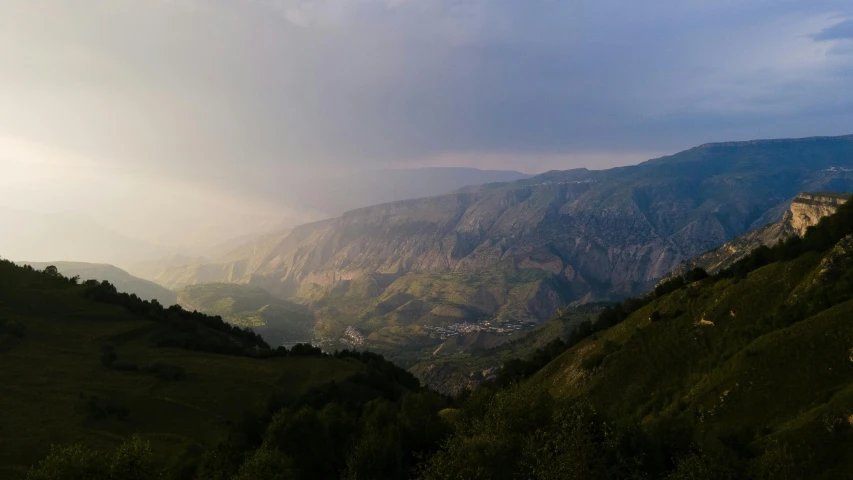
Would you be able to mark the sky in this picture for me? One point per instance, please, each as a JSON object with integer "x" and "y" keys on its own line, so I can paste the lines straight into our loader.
{"x": 190, "y": 112}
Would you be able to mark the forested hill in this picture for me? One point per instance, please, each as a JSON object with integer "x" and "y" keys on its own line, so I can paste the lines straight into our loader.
{"x": 125, "y": 388}
{"x": 123, "y": 281}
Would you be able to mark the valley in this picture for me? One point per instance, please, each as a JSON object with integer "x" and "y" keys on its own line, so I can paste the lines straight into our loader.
{"x": 740, "y": 374}
{"x": 426, "y": 240}
{"x": 388, "y": 277}
{"x": 439, "y": 284}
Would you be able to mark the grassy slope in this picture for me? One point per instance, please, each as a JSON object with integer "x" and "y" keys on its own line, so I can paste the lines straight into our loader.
{"x": 750, "y": 375}
{"x": 50, "y": 345}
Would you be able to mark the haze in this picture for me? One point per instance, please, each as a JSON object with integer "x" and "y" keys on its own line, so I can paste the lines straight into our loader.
{"x": 183, "y": 124}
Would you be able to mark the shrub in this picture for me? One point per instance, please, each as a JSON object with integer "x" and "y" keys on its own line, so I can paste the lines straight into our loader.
{"x": 266, "y": 464}
{"x": 70, "y": 462}
{"x": 695, "y": 275}
{"x": 131, "y": 461}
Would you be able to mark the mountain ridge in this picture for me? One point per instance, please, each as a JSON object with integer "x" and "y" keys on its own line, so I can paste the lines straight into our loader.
{"x": 534, "y": 244}
{"x": 805, "y": 210}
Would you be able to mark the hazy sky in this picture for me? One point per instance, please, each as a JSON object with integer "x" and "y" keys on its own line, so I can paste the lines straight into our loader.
{"x": 191, "y": 104}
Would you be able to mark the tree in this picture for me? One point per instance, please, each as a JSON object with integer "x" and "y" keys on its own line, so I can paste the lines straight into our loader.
{"x": 266, "y": 464}
{"x": 131, "y": 461}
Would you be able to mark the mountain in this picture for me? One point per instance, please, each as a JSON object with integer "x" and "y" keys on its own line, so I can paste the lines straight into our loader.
{"x": 150, "y": 269}
{"x": 805, "y": 211}
{"x": 122, "y": 280}
{"x": 177, "y": 272}
{"x": 746, "y": 374}
{"x": 279, "y": 322}
{"x": 42, "y": 237}
{"x": 743, "y": 374}
{"x": 470, "y": 361}
{"x": 515, "y": 252}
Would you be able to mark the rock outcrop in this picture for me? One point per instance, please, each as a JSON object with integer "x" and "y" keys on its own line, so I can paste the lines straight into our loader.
{"x": 805, "y": 210}
{"x": 837, "y": 261}
{"x": 808, "y": 208}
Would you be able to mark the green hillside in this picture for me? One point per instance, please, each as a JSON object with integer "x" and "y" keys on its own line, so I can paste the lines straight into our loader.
{"x": 84, "y": 364}
{"x": 278, "y": 321}
{"x": 745, "y": 374}
{"x": 122, "y": 280}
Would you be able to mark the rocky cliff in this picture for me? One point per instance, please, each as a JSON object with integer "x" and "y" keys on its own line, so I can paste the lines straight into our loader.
{"x": 806, "y": 210}
{"x": 516, "y": 251}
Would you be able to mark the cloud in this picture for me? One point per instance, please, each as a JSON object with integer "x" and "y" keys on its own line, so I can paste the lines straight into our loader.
{"x": 233, "y": 93}
{"x": 840, "y": 31}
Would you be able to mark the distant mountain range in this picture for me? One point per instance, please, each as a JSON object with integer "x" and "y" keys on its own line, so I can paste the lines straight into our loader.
{"x": 518, "y": 250}
{"x": 69, "y": 236}
{"x": 79, "y": 236}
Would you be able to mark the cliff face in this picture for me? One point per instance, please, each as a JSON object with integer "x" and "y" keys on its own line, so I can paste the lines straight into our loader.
{"x": 806, "y": 210}
{"x": 518, "y": 250}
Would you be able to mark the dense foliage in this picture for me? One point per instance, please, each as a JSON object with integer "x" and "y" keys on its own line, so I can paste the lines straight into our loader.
{"x": 131, "y": 461}
{"x": 377, "y": 424}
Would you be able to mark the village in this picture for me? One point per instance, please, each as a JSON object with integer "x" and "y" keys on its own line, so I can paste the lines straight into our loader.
{"x": 456, "y": 329}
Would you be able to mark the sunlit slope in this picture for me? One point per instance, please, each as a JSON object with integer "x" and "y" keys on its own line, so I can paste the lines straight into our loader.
{"x": 748, "y": 361}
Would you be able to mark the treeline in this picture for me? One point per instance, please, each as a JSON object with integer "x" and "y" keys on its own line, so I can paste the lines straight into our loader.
{"x": 183, "y": 320}
{"x": 379, "y": 423}
{"x": 190, "y": 330}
